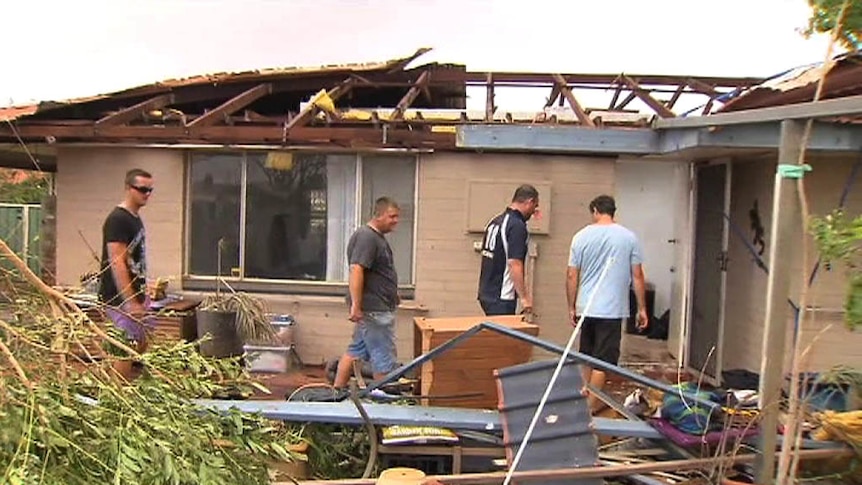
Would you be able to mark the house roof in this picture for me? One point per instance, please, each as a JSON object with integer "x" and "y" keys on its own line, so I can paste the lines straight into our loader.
{"x": 799, "y": 85}
{"x": 368, "y": 104}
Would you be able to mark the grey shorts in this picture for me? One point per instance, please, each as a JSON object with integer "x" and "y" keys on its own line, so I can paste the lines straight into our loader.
{"x": 374, "y": 341}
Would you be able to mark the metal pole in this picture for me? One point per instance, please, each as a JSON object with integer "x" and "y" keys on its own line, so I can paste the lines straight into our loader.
{"x": 785, "y": 214}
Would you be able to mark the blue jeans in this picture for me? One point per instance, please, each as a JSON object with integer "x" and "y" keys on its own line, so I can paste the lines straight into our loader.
{"x": 374, "y": 341}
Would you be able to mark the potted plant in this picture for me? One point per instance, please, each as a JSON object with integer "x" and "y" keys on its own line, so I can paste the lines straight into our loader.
{"x": 231, "y": 319}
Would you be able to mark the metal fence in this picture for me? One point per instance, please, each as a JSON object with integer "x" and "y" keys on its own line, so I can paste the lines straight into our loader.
{"x": 20, "y": 228}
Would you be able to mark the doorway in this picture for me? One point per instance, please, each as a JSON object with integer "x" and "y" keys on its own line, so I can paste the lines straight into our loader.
{"x": 709, "y": 265}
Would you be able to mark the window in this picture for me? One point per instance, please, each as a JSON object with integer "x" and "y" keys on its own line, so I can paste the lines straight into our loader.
{"x": 287, "y": 216}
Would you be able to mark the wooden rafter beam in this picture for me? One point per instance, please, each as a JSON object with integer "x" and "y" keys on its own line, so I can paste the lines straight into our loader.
{"x": 702, "y": 87}
{"x": 645, "y": 96}
{"x": 231, "y": 106}
{"x": 410, "y": 96}
{"x": 628, "y": 99}
{"x": 305, "y": 115}
{"x": 583, "y": 118}
{"x": 489, "y": 99}
{"x": 676, "y": 94}
{"x": 235, "y": 134}
{"x": 555, "y": 93}
{"x": 133, "y": 112}
{"x": 616, "y": 96}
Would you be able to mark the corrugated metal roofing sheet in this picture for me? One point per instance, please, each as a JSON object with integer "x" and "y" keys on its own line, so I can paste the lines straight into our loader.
{"x": 799, "y": 84}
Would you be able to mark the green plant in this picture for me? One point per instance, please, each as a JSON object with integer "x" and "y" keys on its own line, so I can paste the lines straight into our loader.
{"x": 839, "y": 240}
{"x": 66, "y": 418}
{"x": 252, "y": 322}
{"x": 825, "y": 16}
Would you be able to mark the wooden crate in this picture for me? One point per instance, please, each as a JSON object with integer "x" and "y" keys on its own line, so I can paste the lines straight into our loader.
{"x": 469, "y": 367}
{"x": 176, "y": 322}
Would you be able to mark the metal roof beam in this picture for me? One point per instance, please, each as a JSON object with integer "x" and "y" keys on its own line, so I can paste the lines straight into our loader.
{"x": 553, "y": 138}
{"x": 827, "y": 137}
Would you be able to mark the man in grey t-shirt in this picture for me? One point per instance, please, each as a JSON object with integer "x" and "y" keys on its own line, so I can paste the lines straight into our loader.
{"x": 604, "y": 243}
{"x": 373, "y": 295}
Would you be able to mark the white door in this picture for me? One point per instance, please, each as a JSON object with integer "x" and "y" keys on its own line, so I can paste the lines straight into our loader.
{"x": 683, "y": 216}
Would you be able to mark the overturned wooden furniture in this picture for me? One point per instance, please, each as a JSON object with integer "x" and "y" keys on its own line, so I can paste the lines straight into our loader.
{"x": 464, "y": 376}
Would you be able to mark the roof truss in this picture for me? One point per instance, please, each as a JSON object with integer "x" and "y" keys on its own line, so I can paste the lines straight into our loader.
{"x": 357, "y": 105}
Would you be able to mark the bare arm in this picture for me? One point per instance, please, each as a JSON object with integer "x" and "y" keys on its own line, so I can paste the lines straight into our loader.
{"x": 120, "y": 270}
{"x": 516, "y": 269}
{"x": 639, "y": 281}
{"x": 355, "y": 283}
{"x": 573, "y": 276}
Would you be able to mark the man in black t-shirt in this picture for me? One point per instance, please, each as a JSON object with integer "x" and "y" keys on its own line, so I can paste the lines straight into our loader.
{"x": 373, "y": 295}
{"x": 123, "y": 278}
{"x": 504, "y": 249}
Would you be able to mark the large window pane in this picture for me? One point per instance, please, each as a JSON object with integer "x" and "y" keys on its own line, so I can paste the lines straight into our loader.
{"x": 215, "y": 181}
{"x": 298, "y": 207}
{"x": 394, "y": 177}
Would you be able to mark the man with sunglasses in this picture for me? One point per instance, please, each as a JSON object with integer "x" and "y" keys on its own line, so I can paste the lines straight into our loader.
{"x": 123, "y": 278}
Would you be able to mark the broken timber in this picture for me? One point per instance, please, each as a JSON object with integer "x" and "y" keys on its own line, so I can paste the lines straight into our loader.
{"x": 542, "y": 476}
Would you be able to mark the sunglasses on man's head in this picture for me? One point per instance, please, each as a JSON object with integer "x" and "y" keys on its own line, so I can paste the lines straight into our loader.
{"x": 142, "y": 189}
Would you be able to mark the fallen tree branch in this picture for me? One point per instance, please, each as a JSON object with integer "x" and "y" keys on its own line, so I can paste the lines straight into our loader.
{"x": 15, "y": 365}
{"x": 60, "y": 303}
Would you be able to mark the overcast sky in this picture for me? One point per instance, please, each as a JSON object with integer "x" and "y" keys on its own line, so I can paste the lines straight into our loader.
{"x": 62, "y": 49}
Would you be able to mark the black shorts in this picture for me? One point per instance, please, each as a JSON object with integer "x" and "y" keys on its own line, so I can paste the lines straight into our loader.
{"x": 600, "y": 338}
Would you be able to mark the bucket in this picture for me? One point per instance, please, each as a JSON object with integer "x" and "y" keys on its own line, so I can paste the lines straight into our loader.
{"x": 221, "y": 326}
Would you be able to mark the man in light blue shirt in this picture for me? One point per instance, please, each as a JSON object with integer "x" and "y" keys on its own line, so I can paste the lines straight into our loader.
{"x": 604, "y": 242}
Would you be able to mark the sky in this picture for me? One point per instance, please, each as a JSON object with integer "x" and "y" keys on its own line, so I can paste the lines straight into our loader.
{"x": 63, "y": 49}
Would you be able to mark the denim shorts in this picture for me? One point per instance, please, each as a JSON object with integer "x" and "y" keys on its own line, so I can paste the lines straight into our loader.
{"x": 374, "y": 341}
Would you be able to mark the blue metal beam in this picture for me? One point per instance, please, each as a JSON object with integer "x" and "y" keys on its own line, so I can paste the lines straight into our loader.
{"x": 824, "y": 137}
{"x": 345, "y": 412}
{"x": 831, "y": 137}
{"x": 550, "y": 138}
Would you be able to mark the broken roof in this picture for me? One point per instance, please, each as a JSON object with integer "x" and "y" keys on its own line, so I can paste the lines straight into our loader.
{"x": 381, "y": 103}
{"x": 799, "y": 85}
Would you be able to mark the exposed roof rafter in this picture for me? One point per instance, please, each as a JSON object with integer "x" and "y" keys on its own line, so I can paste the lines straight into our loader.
{"x": 573, "y": 102}
{"x": 136, "y": 111}
{"x": 311, "y": 109}
{"x": 232, "y": 105}
{"x": 660, "y": 109}
{"x": 410, "y": 96}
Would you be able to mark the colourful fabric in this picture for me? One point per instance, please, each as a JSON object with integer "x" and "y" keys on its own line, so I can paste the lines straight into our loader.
{"x": 689, "y": 416}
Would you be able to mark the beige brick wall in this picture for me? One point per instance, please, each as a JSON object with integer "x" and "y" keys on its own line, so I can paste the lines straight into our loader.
{"x": 447, "y": 267}
{"x": 746, "y": 284}
{"x": 89, "y": 185}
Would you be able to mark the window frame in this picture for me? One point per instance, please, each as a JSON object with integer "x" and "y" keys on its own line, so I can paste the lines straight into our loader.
{"x": 294, "y": 287}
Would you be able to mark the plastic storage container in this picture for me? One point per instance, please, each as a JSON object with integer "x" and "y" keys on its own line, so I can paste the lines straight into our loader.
{"x": 267, "y": 359}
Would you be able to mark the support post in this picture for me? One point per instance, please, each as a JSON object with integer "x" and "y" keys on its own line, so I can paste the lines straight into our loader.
{"x": 785, "y": 219}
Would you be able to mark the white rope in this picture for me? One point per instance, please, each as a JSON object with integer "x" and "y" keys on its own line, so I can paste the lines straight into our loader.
{"x": 557, "y": 371}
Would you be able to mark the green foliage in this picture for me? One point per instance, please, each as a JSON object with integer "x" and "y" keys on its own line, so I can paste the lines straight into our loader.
{"x": 29, "y": 191}
{"x": 825, "y": 15}
{"x": 838, "y": 239}
{"x": 92, "y": 426}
